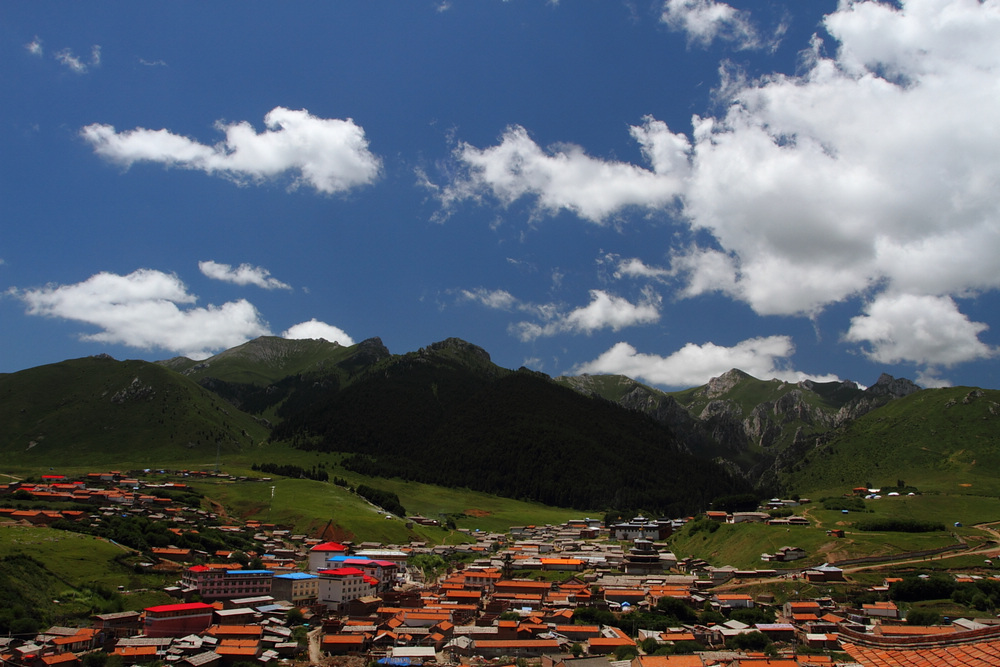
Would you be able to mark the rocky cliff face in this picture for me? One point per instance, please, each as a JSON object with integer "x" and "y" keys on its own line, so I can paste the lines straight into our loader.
{"x": 885, "y": 389}
{"x": 720, "y": 420}
{"x": 691, "y": 433}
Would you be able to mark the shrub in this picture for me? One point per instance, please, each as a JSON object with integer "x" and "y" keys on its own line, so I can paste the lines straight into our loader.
{"x": 922, "y": 617}
{"x": 899, "y": 525}
{"x": 852, "y": 504}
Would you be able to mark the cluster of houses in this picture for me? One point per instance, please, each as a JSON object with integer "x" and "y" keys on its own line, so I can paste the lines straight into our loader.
{"x": 366, "y": 600}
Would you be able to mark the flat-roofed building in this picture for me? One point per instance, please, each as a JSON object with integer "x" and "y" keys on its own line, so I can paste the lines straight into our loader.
{"x": 177, "y": 620}
{"x": 299, "y": 588}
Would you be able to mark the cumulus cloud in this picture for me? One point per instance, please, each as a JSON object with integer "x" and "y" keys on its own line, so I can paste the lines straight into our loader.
{"x": 867, "y": 170}
{"x": 329, "y": 155}
{"x": 314, "y": 329}
{"x": 704, "y": 21}
{"x": 244, "y": 274}
{"x": 694, "y": 365}
{"x": 605, "y": 311}
{"x": 872, "y": 171}
{"x": 926, "y": 330}
{"x": 565, "y": 178}
{"x": 147, "y": 309}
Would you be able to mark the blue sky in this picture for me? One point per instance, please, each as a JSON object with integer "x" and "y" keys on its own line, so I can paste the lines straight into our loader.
{"x": 661, "y": 189}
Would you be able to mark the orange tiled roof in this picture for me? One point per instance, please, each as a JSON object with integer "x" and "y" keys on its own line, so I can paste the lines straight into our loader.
{"x": 911, "y": 630}
{"x": 343, "y": 639}
{"x": 610, "y": 641}
{"x": 983, "y": 654}
{"x": 131, "y": 651}
{"x": 226, "y": 650}
{"x": 670, "y": 661}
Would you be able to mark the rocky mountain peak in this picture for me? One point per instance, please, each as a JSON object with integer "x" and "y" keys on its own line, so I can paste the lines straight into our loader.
{"x": 886, "y": 385}
{"x": 457, "y": 344}
{"x": 718, "y": 386}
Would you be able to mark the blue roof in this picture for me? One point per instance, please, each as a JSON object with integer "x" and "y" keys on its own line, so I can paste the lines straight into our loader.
{"x": 249, "y": 572}
{"x": 296, "y": 575}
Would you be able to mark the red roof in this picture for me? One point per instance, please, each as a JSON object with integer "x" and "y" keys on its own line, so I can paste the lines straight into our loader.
{"x": 187, "y": 606}
{"x": 329, "y": 546}
{"x": 343, "y": 572}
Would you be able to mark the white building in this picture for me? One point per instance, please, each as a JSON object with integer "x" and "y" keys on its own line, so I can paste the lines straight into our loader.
{"x": 321, "y": 553}
{"x": 341, "y": 585}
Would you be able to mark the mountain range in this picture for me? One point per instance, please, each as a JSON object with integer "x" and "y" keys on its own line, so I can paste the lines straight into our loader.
{"x": 446, "y": 415}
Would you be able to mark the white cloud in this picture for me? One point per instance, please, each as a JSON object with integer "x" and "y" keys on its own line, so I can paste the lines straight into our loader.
{"x": 314, "y": 329}
{"x": 66, "y": 57}
{"x": 636, "y": 268}
{"x": 694, "y": 365}
{"x": 704, "y": 21}
{"x": 873, "y": 170}
{"x": 69, "y": 59}
{"x": 147, "y": 309}
{"x": 34, "y": 47}
{"x": 565, "y": 178}
{"x": 329, "y": 154}
{"x": 244, "y": 274}
{"x": 605, "y": 311}
{"x": 497, "y": 299}
{"x": 926, "y": 330}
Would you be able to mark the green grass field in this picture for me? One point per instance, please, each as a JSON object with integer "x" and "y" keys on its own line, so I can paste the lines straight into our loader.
{"x": 309, "y": 505}
{"x": 943, "y": 440}
{"x": 741, "y": 545}
{"x": 70, "y": 568}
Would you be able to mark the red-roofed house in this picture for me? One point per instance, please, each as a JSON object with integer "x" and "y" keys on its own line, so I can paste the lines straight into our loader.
{"x": 177, "y": 620}
{"x": 344, "y": 644}
{"x": 60, "y": 660}
{"x": 526, "y": 648}
{"x": 322, "y": 552}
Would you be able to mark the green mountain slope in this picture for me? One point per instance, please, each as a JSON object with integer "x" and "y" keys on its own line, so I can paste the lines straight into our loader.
{"x": 268, "y": 359}
{"x": 101, "y": 411}
{"x": 753, "y": 425}
{"x": 259, "y": 375}
{"x": 936, "y": 439}
{"x": 447, "y": 415}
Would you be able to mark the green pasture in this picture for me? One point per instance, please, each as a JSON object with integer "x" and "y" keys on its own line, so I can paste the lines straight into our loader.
{"x": 941, "y": 507}
{"x": 741, "y": 545}
{"x": 71, "y": 566}
{"x": 74, "y": 558}
{"x": 308, "y": 506}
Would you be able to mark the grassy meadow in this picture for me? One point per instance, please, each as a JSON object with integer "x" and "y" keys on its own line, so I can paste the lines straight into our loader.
{"x": 68, "y": 575}
{"x": 742, "y": 544}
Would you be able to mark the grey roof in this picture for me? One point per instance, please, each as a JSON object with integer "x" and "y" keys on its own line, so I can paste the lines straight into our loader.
{"x": 202, "y": 658}
{"x": 145, "y": 641}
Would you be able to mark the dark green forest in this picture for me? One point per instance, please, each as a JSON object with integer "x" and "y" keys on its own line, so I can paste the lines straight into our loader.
{"x": 514, "y": 434}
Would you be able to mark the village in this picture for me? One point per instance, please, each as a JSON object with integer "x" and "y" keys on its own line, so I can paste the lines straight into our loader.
{"x": 579, "y": 594}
